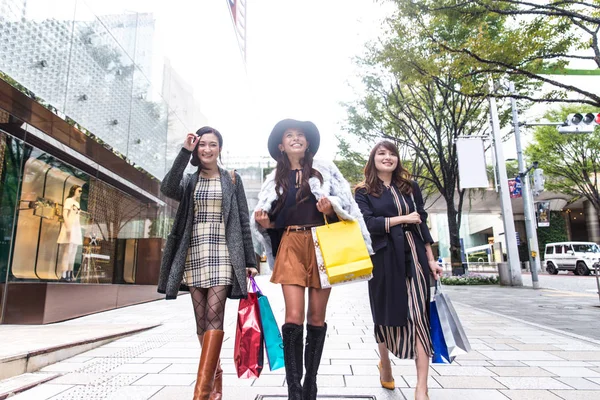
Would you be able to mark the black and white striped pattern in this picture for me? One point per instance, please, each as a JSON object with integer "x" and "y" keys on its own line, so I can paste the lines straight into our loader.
{"x": 402, "y": 340}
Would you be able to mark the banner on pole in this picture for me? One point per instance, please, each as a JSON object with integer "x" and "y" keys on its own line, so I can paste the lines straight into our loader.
{"x": 542, "y": 209}
{"x": 471, "y": 163}
{"x": 515, "y": 187}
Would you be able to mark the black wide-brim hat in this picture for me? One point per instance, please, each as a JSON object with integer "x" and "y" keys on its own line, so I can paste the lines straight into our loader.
{"x": 308, "y": 128}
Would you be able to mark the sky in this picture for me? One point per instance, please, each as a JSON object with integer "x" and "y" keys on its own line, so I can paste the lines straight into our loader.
{"x": 299, "y": 62}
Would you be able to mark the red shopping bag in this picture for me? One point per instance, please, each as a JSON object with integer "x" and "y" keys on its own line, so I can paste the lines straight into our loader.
{"x": 248, "y": 352}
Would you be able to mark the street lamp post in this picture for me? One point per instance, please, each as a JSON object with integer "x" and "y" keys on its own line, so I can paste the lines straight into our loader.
{"x": 534, "y": 252}
{"x": 507, "y": 215}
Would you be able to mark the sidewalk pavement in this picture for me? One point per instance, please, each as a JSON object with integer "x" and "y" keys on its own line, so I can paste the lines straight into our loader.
{"x": 511, "y": 359}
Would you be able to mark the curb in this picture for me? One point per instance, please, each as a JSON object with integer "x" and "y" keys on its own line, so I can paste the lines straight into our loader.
{"x": 32, "y": 361}
{"x": 539, "y": 326}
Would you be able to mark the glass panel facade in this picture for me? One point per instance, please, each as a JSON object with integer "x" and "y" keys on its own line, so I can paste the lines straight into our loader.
{"x": 132, "y": 73}
{"x": 69, "y": 226}
{"x": 11, "y": 158}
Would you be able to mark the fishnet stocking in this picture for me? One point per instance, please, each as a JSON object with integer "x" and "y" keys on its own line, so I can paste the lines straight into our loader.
{"x": 209, "y": 307}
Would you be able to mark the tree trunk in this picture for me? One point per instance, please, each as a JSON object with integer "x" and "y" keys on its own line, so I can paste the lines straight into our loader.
{"x": 454, "y": 233}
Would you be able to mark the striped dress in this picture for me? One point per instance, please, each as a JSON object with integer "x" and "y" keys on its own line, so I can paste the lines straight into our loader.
{"x": 208, "y": 263}
{"x": 402, "y": 340}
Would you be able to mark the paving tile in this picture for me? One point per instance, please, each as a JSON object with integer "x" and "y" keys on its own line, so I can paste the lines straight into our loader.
{"x": 183, "y": 368}
{"x": 520, "y": 371}
{"x": 473, "y": 355}
{"x": 573, "y": 372}
{"x": 269, "y": 380}
{"x": 530, "y": 395}
{"x": 64, "y": 367}
{"x": 363, "y": 381}
{"x": 41, "y": 392}
{"x": 520, "y": 355}
{"x": 471, "y": 382}
{"x": 134, "y": 393}
{"x": 500, "y": 363}
{"x": 535, "y": 347}
{"x": 411, "y": 380}
{"x": 167, "y": 360}
{"x": 539, "y": 383}
{"x": 77, "y": 378}
{"x": 166, "y": 380}
{"x": 558, "y": 363}
{"x": 170, "y": 353}
{"x": 140, "y": 368}
{"x": 580, "y": 383}
{"x": 578, "y": 355}
{"x": 333, "y": 370}
{"x": 472, "y": 363}
{"x": 344, "y": 354}
{"x": 358, "y": 369}
{"x": 334, "y": 381}
{"x": 578, "y": 394}
{"x": 462, "y": 394}
{"x": 455, "y": 370}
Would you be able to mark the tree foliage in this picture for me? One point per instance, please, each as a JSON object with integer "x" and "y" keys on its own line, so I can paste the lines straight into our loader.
{"x": 571, "y": 162}
{"x": 522, "y": 40}
{"x": 410, "y": 98}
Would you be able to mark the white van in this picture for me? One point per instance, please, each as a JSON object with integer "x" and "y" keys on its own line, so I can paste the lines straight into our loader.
{"x": 578, "y": 257}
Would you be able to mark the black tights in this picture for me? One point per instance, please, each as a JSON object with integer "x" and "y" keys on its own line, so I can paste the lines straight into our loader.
{"x": 209, "y": 307}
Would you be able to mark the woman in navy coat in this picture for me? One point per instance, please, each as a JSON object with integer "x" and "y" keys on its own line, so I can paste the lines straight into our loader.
{"x": 393, "y": 209}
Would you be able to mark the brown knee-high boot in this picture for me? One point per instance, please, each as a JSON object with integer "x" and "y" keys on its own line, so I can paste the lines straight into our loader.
{"x": 217, "y": 393}
{"x": 209, "y": 359}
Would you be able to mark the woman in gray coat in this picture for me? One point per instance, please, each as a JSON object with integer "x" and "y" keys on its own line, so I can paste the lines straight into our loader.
{"x": 203, "y": 252}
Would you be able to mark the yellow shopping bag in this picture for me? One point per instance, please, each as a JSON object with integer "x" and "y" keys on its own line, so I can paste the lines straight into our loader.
{"x": 344, "y": 251}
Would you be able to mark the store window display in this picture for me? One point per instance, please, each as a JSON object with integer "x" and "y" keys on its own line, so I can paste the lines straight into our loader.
{"x": 49, "y": 231}
{"x": 70, "y": 236}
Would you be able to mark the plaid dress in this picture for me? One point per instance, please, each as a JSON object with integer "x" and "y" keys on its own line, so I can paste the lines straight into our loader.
{"x": 208, "y": 263}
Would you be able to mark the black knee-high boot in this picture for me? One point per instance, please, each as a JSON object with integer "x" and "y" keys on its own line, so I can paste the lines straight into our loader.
{"x": 292, "y": 354}
{"x": 315, "y": 341}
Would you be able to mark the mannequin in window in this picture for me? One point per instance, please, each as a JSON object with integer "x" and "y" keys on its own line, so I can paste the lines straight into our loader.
{"x": 69, "y": 238}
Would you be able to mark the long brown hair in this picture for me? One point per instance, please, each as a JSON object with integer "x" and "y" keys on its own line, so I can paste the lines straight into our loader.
{"x": 373, "y": 185}
{"x": 282, "y": 172}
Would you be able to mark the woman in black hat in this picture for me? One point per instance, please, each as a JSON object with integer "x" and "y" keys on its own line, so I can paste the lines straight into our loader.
{"x": 209, "y": 249}
{"x": 295, "y": 197}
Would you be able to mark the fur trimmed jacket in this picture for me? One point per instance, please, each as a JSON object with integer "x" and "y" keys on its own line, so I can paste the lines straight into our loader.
{"x": 334, "y": 187}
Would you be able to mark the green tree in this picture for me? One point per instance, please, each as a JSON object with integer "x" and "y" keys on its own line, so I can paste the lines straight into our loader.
{"x": 571, "y": 162}
{"x": 403, "y": 102}
{"x": 522, "y": 40}
{"x": 350, "y": 163}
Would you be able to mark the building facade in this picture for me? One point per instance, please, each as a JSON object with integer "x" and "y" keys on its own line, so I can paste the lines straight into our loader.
{"x": 93, "y": 110}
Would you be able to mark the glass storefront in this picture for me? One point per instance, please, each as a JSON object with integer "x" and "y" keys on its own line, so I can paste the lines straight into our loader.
{"x": 60, "y": 224}
{"x": 11, "y": 156}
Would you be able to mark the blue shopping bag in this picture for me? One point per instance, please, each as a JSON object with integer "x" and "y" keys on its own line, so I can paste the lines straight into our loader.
{"x": 272, "y": 335}
{"x": 440, "y": 350}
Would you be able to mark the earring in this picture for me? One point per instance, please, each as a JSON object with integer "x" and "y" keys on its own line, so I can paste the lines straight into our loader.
{"x": 281, "y": 152}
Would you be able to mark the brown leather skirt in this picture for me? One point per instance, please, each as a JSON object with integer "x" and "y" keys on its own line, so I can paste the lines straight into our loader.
{"x": 296, "y": 262}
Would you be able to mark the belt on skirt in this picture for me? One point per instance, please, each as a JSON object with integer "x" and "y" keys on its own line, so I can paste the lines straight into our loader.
{"x": 297, "y": 228}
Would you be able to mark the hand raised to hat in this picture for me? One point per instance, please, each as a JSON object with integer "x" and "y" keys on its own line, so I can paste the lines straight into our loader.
{"x": 190, "y": 141}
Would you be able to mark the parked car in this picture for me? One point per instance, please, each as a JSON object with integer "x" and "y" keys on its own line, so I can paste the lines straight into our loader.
{"x": 578, "y": 257}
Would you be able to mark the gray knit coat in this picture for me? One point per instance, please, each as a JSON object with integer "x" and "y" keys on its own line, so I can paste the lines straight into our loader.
{"x": 236, "y": 217}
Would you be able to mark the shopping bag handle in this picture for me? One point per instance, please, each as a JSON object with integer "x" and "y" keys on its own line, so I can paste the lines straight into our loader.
{"x": 255, "y": 287}
{"x": 438, "y": 285}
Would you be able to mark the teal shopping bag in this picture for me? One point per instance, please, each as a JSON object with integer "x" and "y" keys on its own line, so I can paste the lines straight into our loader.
{"x": 272, "y": 335}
